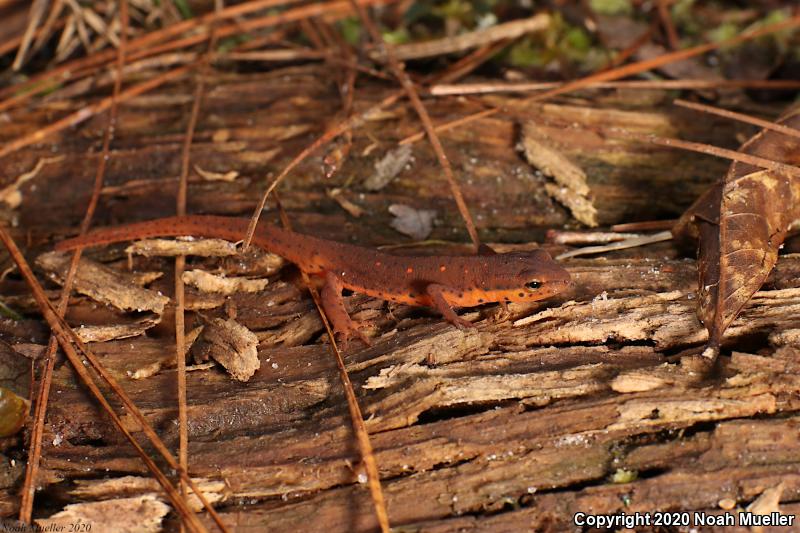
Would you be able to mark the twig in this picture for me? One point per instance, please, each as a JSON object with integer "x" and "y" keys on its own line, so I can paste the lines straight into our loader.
{"x": 20, "y": 93}
{"x": 470, "y": 62}
{"x": 647, "y": 225}
{"x": 495, "y": 87}
{"x": 180, "y": 260}
{"x": 620, "y": 245}
{"x": 726, "y": 154}
{"x": 360, "y": 429}
{"x": 666, "y": 22}
{"x": 472, "y": 39}
{"x": 65, "y": 71}
{"x": 741, "y": 117}
{"x": 632, "y": 48}
{"x": 450, "y": 125}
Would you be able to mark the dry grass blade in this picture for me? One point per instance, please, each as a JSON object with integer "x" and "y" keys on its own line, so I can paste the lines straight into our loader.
{"x": 450, "y": 125}
{"x": 362, "y": 435}
{"x": 68, "y": 336}
{"x": 511, "y": 87}
{"x": 473, "y": 39}
{"x": 619, "y": 245}
{"x": 52, "y": 23}
{"x": 159, "y": 42}
{"x": 733, "y": 155}
{"x": 67, "y": 71}
{"x": 180, "y": 261}
{"x": 37, "y": 10}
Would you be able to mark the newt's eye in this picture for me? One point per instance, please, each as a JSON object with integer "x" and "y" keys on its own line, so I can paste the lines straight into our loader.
{"x": 533, "y": 285}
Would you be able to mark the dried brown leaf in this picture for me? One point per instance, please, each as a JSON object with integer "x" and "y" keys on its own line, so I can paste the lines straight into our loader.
{"x": 13, "y": 412}
{"x": 741, "y": 224}
{"x": 15, "y": 370}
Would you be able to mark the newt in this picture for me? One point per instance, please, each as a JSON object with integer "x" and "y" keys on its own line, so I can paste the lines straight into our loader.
{"x": 442, "y": 282}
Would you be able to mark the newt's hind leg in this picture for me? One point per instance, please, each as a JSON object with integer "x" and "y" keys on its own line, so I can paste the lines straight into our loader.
{"x": 333, "y": 305}
{"x": 436, "y": 292}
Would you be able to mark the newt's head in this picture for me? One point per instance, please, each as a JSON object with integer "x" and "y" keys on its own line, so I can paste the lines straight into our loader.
{"x": 523, "y": 277}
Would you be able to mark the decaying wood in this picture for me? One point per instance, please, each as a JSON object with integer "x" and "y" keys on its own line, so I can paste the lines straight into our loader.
{"x": 570, "y": 187}
{"x": 232, "y": 345}
{"x": 142, "y": 514}
{"x": 516, "y": 424}
{"x": 104, "y": 285}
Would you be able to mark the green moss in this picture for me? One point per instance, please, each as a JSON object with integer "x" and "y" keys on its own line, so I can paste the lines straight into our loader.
{"x": 7, "y": 312}
{"x": 611, "y": 7}
{"x": 350, "y": 29}
{"x": 455, "y": 9}
{"x": 724, "y": 31}
{"x": 229, "y": 43}
{"x": 398, "y": 36}
{"x": 183, "y": 8}
{"x": 623, "y": 475}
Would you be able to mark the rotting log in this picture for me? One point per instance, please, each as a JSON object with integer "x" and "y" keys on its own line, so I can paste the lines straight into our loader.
{"x": 516, "y": 424}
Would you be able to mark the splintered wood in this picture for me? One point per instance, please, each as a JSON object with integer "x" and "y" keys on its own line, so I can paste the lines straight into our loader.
{"x": 570, "y": 187}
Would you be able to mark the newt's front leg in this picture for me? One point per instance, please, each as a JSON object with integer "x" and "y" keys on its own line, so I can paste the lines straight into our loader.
{"x": 333, "y": 305}
{"x": 438, "y": 296}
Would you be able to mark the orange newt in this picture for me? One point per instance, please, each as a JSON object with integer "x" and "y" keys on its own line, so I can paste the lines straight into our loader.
{"x": 438, "y": 281}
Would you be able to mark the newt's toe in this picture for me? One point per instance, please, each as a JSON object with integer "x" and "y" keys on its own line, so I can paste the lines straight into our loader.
{"x": 354, "y": 330}
{"x": 461, "y": 323}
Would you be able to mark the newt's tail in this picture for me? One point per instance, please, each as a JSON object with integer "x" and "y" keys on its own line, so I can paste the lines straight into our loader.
{"x": 228, "y": 228}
